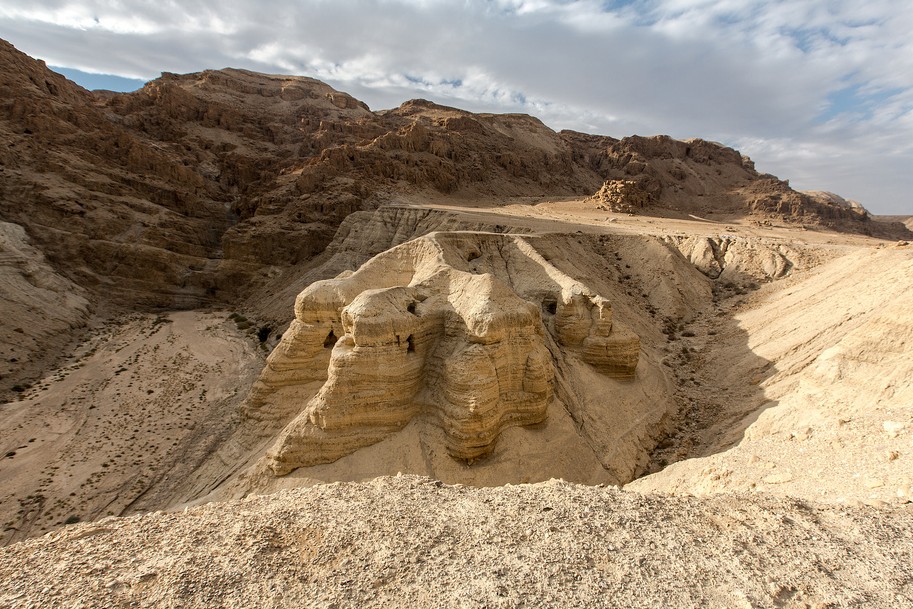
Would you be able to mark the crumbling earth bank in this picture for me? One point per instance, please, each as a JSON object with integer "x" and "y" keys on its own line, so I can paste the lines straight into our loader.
{"x": 410, "y": 541}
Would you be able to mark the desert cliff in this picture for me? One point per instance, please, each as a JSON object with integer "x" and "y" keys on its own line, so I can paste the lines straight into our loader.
{"x": 261, "y": 344}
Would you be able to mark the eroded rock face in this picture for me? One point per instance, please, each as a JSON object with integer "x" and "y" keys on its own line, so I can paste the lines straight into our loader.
{"x": 624, "y": 196}
{"x": 458, "y": 327}
{"x": 729, "y": 257}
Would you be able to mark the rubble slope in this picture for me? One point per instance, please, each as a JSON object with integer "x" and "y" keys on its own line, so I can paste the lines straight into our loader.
{"x": 414, "y": 541}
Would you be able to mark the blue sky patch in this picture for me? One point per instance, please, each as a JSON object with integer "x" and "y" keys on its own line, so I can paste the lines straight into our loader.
{"x": 100, "y": 81}
{"x": 855, "y": 101}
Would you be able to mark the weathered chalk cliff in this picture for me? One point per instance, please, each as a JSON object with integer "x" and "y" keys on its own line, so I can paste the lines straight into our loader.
{"x": 455, "y": 326}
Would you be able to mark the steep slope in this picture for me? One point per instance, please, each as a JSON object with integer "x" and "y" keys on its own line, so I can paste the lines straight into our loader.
{"x": 41, "y": 310}
{"x": 115, "y": 214}
{"x": 470, "y": 324}
{"x": 225, "y": 188}
{"x": 197, "y": 189}
{"x": 308, "y": 403}
{"x": 595, "y": 428}
{"x": 127, "y": 416}
{"x": 830, "y": 355}
{"x": 99, "y": 394}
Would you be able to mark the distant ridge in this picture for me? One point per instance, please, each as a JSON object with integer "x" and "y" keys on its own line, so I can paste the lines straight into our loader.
{"x": 227, "y": 172}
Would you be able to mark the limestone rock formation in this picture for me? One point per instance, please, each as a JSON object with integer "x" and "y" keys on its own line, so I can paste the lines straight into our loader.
{"x": 625, "y": 196}
{"x": 199, "y": 189}
{"x": 455, "y": 326}
{"x": 728, "y": 257}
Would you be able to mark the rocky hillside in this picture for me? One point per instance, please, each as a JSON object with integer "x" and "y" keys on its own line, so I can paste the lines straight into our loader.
{"x": 178, "y": 193}
{"x": 474, "y": 301}
{"x": 828, "y": 363}
{"x": 196, "y": 189}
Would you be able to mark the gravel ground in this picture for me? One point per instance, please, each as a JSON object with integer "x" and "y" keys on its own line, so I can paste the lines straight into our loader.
{"x": 411, "y": 541}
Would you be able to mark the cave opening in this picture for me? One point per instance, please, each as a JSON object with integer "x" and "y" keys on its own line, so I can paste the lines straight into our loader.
{"x": 550, "y": 306}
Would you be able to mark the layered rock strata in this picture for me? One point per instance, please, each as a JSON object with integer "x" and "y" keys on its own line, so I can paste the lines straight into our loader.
{"x": 192, "y": 190}
{"x": 458, "y": 327}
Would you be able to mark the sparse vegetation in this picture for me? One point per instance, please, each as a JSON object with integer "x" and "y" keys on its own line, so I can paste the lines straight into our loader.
{"x": 241, "y": 321}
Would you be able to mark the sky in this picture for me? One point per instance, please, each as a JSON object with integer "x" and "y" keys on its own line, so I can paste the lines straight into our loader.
{"x": 819, "y": 92}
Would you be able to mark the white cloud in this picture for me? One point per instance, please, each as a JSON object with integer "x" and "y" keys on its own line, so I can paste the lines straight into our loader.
{"x": 817, "y": 90}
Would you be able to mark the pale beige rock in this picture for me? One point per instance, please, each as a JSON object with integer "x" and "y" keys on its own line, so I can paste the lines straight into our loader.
{"x": 835, "y": 396}
{"x": 778, "y": 478}
{"x": 626, "y": 196}
{"x": 428, "y": 328}
{"x": 874, "y": 482}
{"x": 893, "y": 428}
{"x": 405, "y": 541}
{"x": 731, "y": 258}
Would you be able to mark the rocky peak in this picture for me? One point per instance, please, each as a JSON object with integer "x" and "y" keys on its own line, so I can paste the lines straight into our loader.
{"x": 22, "y": 77}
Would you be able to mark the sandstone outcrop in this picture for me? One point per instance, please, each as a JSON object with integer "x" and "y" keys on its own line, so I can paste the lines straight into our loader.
{"x": 623, "y": 196}
{"x": 455, "y": 326}
{"x": 199, "y": 189}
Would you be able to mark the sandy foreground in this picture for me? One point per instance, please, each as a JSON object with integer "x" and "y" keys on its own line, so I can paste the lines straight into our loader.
{"x": 411, "y": 541}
